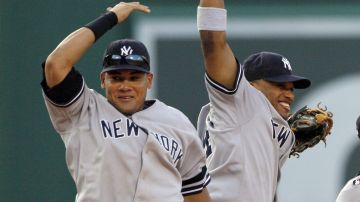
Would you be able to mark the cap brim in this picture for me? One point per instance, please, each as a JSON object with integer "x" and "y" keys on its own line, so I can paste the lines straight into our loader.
{"x": 125, "y": 67}
{"x": 298, "y": 81}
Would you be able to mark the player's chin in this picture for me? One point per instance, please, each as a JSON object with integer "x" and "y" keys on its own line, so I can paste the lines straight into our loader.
{"x": 284, "y": 113}
{"x": 286, "y": 116}
{"x": 126, "y": 112}
{"x": 125, "y": 108}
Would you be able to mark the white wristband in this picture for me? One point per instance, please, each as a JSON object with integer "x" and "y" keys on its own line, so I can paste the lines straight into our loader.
{"x": 210, "y": 18}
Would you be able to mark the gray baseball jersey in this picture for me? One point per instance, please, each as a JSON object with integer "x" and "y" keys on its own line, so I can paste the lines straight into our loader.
{"x": 246, "y": 142}
{"x": 351, "y": 191}
{"x": 155, "y": 155}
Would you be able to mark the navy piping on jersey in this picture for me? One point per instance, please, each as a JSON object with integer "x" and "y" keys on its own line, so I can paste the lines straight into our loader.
{"x": 141, "y": 128}
{"x": 67, "y": 91}
{"x": 197, "y": 178}
{"x": 214, "y": 84}
{"x": 195, "y": 184}
{"x": 208, "y": 179}
{"x": 192, "y": 190}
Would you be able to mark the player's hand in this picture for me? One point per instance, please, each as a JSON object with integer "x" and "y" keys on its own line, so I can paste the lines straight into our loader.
{"x": 123, "y": 9}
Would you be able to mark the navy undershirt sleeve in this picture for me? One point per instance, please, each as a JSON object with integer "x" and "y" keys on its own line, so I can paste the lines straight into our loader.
{"x": 65, "y": 91}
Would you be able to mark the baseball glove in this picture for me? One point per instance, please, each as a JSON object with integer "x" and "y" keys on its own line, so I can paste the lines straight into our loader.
{"x": 310, "y": 125}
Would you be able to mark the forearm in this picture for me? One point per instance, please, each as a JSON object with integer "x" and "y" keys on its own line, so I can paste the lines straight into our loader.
{"x": 70, "y": 50}
{"x": 212, "y": 3}
{"x": 66, "y": 54}
{"x": 211, "y": 38}
{"x": 219, "y": 60}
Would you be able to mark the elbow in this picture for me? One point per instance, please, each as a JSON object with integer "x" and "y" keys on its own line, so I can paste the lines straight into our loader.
{"x": 50, "y": 63}
{"x": 53, "y": 64}
{"x": 55, "y": 69}
{"x": 55, "y": 61}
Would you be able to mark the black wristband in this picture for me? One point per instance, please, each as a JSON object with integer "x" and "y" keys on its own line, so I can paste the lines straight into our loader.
{"x": 102, "y": 24}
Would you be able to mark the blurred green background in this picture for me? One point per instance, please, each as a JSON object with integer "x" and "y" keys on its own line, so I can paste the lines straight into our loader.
{"x": 32, "y": 162}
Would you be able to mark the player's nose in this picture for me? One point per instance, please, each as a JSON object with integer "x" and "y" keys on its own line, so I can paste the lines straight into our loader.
{"x": 124, "y": 86}
{"x": 289, "y": 94}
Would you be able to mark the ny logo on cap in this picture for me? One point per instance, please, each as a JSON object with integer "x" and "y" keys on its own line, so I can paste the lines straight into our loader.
{"x": 286, "y": 64}
{"x": 126, "y": 51}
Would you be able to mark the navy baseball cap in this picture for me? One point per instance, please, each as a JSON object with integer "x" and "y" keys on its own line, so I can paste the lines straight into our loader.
{"x": 272, "y": 67}
{"x": 126, "y": 54}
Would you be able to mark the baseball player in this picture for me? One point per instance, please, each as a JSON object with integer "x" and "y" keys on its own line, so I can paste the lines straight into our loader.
{"x": 121, "y": 147}
{"x": 244, "y": 129}
{"x": 351, "y": 191}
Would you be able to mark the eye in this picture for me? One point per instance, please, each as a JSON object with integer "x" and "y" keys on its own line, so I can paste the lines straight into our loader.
{"x": 135, "y": 78}
{"x": 281, "y": 86}
{"x": 285, "y": 86}
{"x": 115, "y": 78}
{"x": 138, "y": 76}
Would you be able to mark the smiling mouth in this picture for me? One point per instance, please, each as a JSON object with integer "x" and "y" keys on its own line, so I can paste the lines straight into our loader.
{"x": 126, "y": 98}
{"x": 285, "y": 105}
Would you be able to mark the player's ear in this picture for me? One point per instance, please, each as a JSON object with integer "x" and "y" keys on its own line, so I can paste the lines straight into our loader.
{"x": 149, "y": 77}
{"x": 255, "y": 83}
{"x": 252, "y": 83}
{"x": 102, "y": 80}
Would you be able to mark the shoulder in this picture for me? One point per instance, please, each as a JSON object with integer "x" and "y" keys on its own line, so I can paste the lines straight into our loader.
{"x": 168, "y": 116}
{"x": 167, "y": 110}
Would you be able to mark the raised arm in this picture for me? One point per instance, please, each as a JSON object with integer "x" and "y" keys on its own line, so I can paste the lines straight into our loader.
{"x": 220, "y": 63}
{"x": 71, "y": 49}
